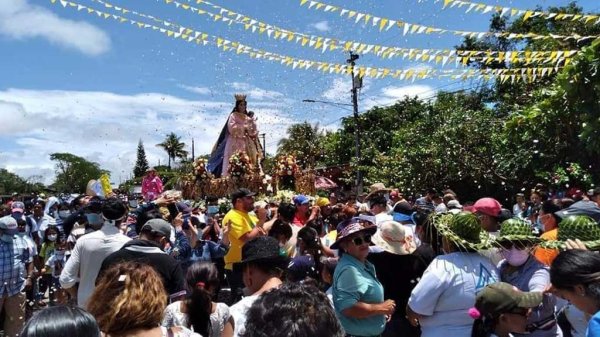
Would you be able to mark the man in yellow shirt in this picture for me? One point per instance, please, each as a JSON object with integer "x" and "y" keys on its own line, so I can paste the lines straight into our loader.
{"x": 244, "y": 227}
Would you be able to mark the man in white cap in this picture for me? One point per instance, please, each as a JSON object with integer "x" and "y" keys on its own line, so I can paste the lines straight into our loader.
{"x": 15, "y": 275}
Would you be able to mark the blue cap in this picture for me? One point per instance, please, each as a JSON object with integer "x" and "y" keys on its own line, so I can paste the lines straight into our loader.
{"x": 301, "y": 199}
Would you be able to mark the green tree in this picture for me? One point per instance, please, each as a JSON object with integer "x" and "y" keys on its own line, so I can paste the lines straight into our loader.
{"x": 174, "y": 147}
{"x": 303, "y": 141}
{"x": 141, "y": 163}
{"x": 510, "y": 97}
{"x": 11, "y": 183}
{"x": 74, "y": 172}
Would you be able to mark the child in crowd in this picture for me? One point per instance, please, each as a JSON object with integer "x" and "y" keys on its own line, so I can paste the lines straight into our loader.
{"x": 55, "y": 265}
{"x": 46, "y": 251}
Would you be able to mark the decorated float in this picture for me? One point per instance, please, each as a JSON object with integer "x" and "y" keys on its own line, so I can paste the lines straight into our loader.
{"x": 236, "y": 162}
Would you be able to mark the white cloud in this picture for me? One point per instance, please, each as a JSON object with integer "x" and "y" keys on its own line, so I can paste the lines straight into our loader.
{"x": 196, "y": 90}
{"x": 21, "y": 20}
{"x": 391, "y": 94}
{"x": 322, "y": 26}
{"x": 339, "y": 90}
{"x": 398, "y": 93}
{"x": 255, "y": 93}
{"x": 105, "y": 127}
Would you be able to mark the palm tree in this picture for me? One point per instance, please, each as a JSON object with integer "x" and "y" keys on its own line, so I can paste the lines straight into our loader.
{"x": 174, "y": 147}
{"x": 304, "y": 141}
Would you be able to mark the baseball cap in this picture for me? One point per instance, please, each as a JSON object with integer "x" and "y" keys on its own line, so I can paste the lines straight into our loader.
{"x": 301, "y": 199}
{"x": 241, "y": 193}
{"x": 8, "y": 222}
{"x": 501, "y": 297}
{"x": 184, "y": 208}
{"x": 454, "y": 204}
{"x": 17, "y": 206}
{"x": 300, "y": 268}
{"x": 321, "y": 202}
{"x": 488, "y": 206}
{"x": 157, "y": 227}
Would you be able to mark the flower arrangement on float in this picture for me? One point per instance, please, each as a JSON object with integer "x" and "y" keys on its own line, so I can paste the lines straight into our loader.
{"x": 200, "y": 169}
{"x": 239, "y": 164}
{"x": 286, "y": 165}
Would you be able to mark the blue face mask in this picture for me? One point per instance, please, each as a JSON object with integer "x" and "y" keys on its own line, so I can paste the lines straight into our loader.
{"x": 94, "y": 219}
{"x": 212, "y": 209}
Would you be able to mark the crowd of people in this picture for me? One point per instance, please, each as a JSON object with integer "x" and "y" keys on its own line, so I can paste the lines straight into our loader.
{"x": 376, "y": 264}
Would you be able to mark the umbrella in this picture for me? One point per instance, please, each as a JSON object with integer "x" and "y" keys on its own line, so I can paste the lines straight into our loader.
{"x": 324, "y": 183}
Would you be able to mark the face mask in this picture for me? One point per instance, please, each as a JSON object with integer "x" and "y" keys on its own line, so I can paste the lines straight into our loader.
{"x": 52, "y": 237}
{"x": 515, "y": 257}
{"x": 212, "y": 209}
{"x": 94, "y": 219}
{"x": 21, "y": 234}
{"x": 64, "y": 214}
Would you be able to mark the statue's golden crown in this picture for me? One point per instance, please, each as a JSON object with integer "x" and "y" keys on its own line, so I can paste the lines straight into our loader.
{"x": 240, "y": 97}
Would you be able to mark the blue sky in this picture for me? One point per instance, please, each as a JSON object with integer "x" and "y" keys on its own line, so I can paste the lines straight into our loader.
{"x": 70, "y": 81}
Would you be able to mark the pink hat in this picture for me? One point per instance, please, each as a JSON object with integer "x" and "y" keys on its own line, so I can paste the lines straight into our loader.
{"x": 488, "y": 206}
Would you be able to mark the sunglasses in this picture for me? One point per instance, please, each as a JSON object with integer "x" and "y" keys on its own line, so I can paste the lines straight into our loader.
{"x": 357, "y": 241}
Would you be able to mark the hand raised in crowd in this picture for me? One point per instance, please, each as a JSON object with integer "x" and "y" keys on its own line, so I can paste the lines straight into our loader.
{"x": 575, "y": 244}
{"x": 261, "y": 213}
{"x": 164, "y": 200}
{"x": 178, "y": 221}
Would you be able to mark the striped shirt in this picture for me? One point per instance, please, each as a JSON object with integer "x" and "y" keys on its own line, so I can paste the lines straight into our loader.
{"x": 13, "y": 272}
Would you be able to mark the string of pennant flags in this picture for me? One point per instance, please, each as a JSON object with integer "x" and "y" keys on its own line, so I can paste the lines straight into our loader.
{"x": 413, "y": 28}
{"x": 438, "y": 56}
{"x": 482, "y": 8}
{"x": 189, "y": 35}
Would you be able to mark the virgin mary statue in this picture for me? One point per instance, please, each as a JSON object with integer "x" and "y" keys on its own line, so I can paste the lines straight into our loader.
{"x": 238, "y": 134}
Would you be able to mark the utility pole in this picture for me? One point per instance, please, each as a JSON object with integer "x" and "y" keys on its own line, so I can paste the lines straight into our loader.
{"x": 264, "y": 144}
{"x": 193, "y": 150}
{"x": 356, "y": 84}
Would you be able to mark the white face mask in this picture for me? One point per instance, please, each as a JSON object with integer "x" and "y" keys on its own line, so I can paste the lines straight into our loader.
{"x": 52, "y": 237}
{"x": 515, "y": 257}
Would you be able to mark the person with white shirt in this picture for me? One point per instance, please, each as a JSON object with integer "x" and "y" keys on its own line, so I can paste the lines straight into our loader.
{"x": 447, "y": 289}
{"x": 262, "y": 265}
{"x": 378, "y": 206}
{"x": 91, "y": 250}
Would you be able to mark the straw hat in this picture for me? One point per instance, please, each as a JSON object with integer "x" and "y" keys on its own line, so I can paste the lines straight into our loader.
{"x": 375, "y": 189}
{"x": 516, "y": 230}
{"x": 356, "y": 227}
{"x": 462, "y": 229}
{"x": 580, "y": 227}
{"x": 392, "y": 238}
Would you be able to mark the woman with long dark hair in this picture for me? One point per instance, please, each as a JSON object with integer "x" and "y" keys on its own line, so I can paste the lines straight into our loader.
{"x": 575, "y": 277}
{"x": 199, "y": 313}
{"x": 307, "y": 263}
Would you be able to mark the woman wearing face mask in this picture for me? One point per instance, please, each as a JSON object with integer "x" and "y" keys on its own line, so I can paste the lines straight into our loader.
{"x": 46, "y": 251}
{"x": 501, "y": 310}
{"x": 549, "y": 222}
{"x": 523, "y": 271}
